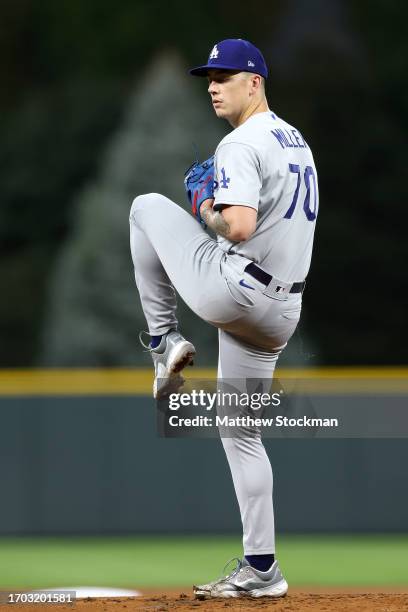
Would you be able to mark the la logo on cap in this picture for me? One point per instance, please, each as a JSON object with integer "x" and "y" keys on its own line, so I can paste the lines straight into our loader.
{"x": 214, "y": 53}
{"x": 233, "y": 54}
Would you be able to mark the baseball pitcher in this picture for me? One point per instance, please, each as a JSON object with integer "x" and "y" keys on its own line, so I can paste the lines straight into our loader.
{"x": 259, "y": 194}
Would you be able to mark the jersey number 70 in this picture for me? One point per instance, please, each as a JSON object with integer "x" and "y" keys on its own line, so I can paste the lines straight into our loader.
{"x": 310, "y": 214}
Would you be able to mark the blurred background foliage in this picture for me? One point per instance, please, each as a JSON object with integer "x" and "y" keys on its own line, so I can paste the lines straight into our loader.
{"x": 96, "y": 107}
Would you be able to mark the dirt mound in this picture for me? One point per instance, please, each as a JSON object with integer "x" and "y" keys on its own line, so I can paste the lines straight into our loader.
{"x": 296, "y": 602}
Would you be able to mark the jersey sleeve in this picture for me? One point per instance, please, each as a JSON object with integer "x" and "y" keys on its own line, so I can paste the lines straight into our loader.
{"x": 238, "y": 177}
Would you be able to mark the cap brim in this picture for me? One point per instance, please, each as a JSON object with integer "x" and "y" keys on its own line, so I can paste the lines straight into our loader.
{"x": 202, "y": 71}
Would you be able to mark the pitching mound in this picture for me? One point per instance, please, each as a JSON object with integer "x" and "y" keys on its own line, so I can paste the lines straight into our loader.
{"x": 166, "y": 602}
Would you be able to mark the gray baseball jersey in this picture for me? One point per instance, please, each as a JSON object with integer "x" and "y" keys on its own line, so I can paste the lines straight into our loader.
{"x": 266, "y": 164}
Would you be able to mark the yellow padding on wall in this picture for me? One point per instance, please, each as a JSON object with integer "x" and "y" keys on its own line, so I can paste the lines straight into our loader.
{"x": 138, "y": 381}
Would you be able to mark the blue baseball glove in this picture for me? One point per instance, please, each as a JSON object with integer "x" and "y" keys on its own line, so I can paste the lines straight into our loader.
{"x": 199, "y": 184}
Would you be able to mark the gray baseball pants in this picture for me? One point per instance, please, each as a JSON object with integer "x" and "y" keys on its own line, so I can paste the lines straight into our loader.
{"x": 172, "y": 252}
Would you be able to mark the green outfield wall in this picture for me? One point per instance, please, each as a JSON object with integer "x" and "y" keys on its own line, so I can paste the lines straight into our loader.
{"x": 80, "y": 454}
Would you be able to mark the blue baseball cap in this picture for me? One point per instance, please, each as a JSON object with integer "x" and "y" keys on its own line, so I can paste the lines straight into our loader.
{"x": 233, "y": 54}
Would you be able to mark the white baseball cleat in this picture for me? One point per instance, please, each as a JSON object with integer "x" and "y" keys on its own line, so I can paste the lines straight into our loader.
{"x": 170, "y": 357}
{"x": 245, "y": 581}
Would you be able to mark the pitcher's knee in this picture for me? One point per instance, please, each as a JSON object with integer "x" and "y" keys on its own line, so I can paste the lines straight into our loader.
{"x": 145, "y": 201}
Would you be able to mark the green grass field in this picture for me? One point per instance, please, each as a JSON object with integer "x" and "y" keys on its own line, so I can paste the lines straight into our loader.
{"x": 343, "y": 560}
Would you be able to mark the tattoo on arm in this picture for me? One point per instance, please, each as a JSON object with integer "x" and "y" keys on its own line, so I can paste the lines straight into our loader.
{"x": 216, "y": 222}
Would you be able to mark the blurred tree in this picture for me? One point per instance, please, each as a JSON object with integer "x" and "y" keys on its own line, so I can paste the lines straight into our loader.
{"x": 338, "y": 77}
{"x": 45, "y": 43}
{"x": 337, "y": 72}
{"x": 48, "y": 148}
{"x": 95, "y": 314}
{"x": 66, "y": 69}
